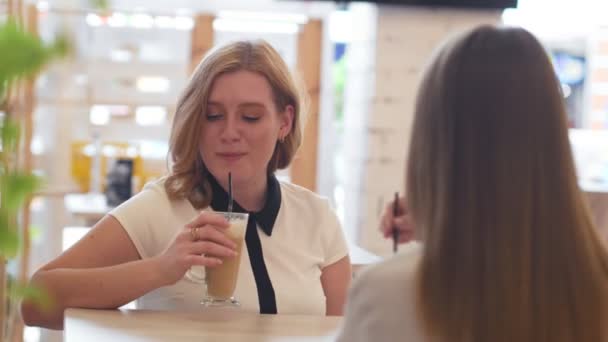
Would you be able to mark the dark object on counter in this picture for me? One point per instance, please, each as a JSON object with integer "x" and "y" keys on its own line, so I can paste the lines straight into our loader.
{"x": 118, "y": 182}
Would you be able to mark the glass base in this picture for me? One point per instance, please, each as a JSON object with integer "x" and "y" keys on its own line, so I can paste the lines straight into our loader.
{"x": 215, "y": 302}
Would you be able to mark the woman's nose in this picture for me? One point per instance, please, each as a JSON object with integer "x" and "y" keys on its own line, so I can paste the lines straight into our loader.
{"x": 231, "y": 131}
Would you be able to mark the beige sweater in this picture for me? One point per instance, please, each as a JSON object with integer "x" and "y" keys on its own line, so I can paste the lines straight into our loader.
{"x": 380, "y": 305}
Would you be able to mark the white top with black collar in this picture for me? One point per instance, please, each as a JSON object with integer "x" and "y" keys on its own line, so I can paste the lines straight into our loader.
{"x": 288, "y": 243}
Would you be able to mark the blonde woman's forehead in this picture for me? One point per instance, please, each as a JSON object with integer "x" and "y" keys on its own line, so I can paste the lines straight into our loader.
{"x": 241, "y": 87}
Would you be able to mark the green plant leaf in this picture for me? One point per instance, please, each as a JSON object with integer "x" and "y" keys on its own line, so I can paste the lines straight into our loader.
{"x": 100, "y": 4}
{"x": 3, "y": 83}
{"x": 61, "y": 47}
{"x": 35, "y": 232}
{"x": 23, "y": 53}
{"x": 33, "y": 294}
{"x": 16, "y": 187}
{"x": 9, "y": 238}
{"x": 10, "y": 136}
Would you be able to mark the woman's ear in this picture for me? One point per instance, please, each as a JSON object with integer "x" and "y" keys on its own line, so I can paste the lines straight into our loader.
{"x": 287, "y": 118}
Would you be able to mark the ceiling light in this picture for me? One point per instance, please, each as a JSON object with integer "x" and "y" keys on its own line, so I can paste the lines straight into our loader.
{"x": 99, "y": 115}
{"x": 153, "y": 84}
{"x": 142, "y": 21}
{"x": 42, "y": 6}
{"x": 264, "y": 16}
{"x": 230, "y": 25}
{"x": 150, "y": 115}
{"x": 94, "y": 20}
{"x": 184, "y": 23}
{"x": 164, "y": 22}
{"x": 117, "y": 20}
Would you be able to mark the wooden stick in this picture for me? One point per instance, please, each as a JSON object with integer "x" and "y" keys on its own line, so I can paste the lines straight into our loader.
{"x": 4, "y": 299}
{"x": 304, "y": 167}
{"x": 202, "y": 39}
{"x": 19, "y": 10}
{"x": 28, "y": 128}
{"x": 27, "y": 97}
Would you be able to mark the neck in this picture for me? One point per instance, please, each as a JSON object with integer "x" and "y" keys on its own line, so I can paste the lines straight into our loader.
{"x": 251, "y": 195}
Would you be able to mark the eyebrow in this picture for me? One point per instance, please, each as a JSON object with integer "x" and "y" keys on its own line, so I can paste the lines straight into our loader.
{"x": 243, "y": 104}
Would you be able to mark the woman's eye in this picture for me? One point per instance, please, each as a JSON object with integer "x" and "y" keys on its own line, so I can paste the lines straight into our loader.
{"x": 251, "y": 118}
{"x": 213, "y": 116}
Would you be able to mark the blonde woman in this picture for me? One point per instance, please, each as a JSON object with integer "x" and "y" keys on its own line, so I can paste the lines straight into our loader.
{"x": 508, "y": 249}
{"x": 240, "y": 113}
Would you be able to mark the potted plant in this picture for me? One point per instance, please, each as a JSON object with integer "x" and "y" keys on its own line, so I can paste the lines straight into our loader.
{"x": 23, "y": 56}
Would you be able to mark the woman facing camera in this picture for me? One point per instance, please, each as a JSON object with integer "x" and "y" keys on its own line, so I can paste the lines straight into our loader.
{"x": 508, "y": 251}
{"x": 240, "y": 114}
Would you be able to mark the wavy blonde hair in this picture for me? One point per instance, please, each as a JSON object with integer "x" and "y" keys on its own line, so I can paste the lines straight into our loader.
{"x": 510, "y": 253}
{"x": 188, "y": 173}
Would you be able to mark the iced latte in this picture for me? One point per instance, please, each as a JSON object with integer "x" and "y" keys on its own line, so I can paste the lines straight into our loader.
{"x": 221, "y": 279}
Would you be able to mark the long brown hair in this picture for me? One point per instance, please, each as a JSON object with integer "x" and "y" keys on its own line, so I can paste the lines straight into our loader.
{"x": 510, "y": 251}
{"x": 188, "y": 176}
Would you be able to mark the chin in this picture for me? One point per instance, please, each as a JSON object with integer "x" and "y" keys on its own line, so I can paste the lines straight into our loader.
{"x": 239, "y": 174}
{"x": 239, "y": 177}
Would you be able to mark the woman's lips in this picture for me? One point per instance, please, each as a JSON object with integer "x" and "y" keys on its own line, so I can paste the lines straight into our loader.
{"x": 231, "y": 156}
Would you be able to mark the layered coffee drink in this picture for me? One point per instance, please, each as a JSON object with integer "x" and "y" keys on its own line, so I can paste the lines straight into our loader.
{"x": 221, "y": 279}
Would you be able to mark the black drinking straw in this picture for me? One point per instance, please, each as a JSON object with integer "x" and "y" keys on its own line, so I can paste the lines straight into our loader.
{"x": 230, "y": 200}
{"x": 395, "y": 229}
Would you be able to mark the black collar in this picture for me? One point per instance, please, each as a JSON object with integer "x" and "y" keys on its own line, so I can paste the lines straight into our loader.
{"x": 265, "y": 218}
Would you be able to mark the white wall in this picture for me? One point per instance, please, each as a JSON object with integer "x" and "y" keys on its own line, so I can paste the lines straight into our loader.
{"x": 380, "y": 101}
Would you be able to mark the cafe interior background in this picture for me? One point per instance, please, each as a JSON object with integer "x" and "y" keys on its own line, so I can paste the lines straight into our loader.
{"x": 102, "y": 116}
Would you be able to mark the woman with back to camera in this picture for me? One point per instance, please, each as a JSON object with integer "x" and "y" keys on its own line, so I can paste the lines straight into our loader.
{"x": 240, "y": 113}
{"x": 508, "y": 251}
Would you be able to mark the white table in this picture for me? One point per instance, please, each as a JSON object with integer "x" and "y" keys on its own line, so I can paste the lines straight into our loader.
{"x": 225, "y": 325}
{"x": 359, "y": 257}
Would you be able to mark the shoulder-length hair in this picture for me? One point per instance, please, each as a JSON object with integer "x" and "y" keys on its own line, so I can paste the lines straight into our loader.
{"x": 188, "y": 175}
{"x": 510, "y": 253}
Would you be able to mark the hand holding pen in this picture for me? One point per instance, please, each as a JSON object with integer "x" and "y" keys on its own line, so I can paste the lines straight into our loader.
{"x": 396, "y": 222}
{"x": 395, "y": 230}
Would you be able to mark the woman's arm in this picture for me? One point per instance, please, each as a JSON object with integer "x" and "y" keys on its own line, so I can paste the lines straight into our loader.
{"x": 335, "y": 279}
{"x": 104, "y": 270}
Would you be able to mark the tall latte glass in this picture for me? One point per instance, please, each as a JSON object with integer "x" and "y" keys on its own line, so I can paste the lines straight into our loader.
{"x": 220, "y": 281}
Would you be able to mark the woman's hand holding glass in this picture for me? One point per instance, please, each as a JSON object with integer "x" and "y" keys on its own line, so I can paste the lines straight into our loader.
{"x": 201, "y": 242}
